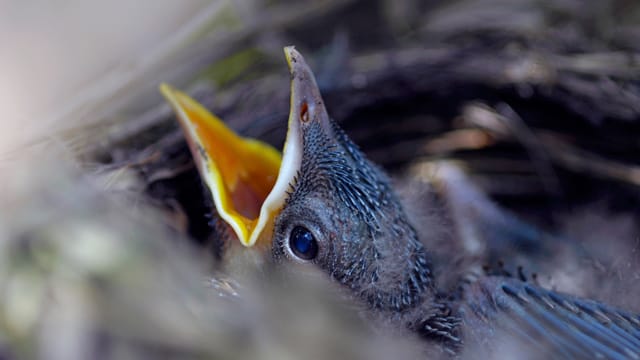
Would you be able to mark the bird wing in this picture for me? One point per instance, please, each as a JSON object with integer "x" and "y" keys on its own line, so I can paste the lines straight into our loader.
{"x": 559, "y": 325}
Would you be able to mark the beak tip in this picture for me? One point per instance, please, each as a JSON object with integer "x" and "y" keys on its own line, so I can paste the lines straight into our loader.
{"x": 295, "y": 60}
{"x": 166, "y": 90}
{"x": 290, "y": 54}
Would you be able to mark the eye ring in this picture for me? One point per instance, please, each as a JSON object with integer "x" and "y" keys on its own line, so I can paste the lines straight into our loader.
{"x": 303, "y": 244}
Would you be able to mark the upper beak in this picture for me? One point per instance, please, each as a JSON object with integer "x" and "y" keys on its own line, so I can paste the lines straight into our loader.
{"x": 248, "y": 179}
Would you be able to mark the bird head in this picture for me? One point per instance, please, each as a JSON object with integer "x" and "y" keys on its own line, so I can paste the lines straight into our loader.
{"x": 321, "y": 203}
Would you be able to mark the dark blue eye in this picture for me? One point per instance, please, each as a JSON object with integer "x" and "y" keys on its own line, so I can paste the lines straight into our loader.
{"x": 303, "y": 244}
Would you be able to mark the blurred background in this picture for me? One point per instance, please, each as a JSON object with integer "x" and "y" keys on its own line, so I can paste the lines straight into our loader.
{"x": 54, "y": 51}
{"x": 538, "y": 101}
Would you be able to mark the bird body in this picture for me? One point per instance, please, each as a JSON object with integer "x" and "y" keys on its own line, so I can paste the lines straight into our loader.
{"x": 326, "y": 206}
{"x": 545, "y": 322}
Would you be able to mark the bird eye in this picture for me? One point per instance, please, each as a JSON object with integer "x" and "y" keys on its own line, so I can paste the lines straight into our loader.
{"x": 303, "y": 244}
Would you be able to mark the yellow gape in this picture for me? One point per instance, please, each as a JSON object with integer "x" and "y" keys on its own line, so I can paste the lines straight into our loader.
{"x": 248, "y": 179}
{"x": 239, "y": 172}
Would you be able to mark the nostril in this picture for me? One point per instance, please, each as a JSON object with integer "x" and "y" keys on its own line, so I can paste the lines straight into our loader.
{"x": 304, "y": 112}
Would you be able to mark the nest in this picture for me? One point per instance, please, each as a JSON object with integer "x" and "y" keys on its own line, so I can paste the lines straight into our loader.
{"x": 108, "y": 255}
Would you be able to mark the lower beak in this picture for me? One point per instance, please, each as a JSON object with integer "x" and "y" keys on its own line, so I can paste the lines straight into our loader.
{"x": 248, "y": 179}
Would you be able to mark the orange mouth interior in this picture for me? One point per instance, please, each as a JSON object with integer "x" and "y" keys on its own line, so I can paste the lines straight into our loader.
{"x": 249, "y": 180}
{"x": 239, "y": 172}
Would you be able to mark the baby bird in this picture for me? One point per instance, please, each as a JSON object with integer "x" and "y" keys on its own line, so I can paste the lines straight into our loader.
{"x": 323, "y": 204}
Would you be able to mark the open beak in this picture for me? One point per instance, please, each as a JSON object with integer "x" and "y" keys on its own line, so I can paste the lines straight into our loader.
{"x": 248, "y": 179}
